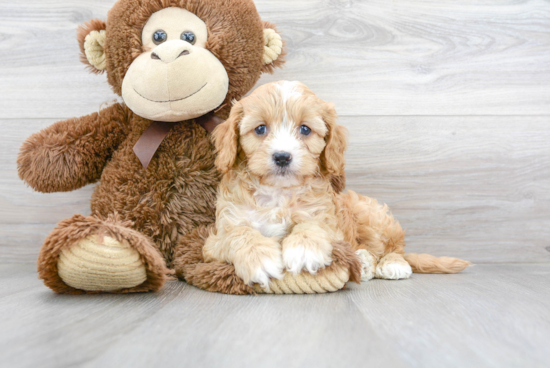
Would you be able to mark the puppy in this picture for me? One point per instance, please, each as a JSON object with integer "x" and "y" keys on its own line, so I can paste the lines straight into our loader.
{"x": 277, "y": 210}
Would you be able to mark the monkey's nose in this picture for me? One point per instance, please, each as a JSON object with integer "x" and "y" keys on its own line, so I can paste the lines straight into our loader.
{"x": 170, "y": 51}
{"x": 282, "y": 159}
{"x": 156, "y": 57}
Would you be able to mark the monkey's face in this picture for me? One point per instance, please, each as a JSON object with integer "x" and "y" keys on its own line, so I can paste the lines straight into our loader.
{"x": 175, "y": 78}
{"x": 179, "y": 59}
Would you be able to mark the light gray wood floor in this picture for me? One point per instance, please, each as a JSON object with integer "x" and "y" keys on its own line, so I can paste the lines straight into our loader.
{"x": 448, "y": 107}
{"x": 489, "y": 316}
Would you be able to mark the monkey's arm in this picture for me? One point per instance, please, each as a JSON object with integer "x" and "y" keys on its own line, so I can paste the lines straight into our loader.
{"x": 72, "y": 153}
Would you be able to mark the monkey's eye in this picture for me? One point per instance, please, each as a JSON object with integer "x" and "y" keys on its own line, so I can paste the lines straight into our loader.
{"x": 188, "y": 36}
{"x": 260, "y": 130}
{"x": 159, "y": 37}
{"x": 305, "y": 130}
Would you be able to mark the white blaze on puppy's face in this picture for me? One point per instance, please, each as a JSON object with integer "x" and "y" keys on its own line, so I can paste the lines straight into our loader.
{"x": 283, "y": 133}
{"x": 289, "y": 90}
{"x": 284, "y": 139}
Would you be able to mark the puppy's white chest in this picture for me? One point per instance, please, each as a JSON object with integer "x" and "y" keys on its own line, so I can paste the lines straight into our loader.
{"x": 272, "y": 216}
{"x": 274, "y": 198}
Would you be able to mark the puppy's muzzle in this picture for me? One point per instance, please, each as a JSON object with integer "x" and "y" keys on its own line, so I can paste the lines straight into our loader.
{"x": 282, "y": 159}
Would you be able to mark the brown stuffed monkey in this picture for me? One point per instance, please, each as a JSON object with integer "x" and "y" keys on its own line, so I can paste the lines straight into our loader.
{"x": 177, "y": 64}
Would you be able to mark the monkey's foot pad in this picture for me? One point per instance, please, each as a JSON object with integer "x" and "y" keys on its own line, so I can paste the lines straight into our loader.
{"x": 101, "y": 265}
{"x": 95, "y": 255}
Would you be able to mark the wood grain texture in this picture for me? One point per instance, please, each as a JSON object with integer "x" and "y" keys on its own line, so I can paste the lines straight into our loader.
{"x": 471, "y": 187}
{"x": 427, "y": 57}
{"x": 406, "y": 57}
{"x": 489, "y": 316}
{"x": 492, "y": 316}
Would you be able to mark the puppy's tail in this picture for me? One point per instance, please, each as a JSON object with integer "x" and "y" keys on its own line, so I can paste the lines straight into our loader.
{"x": 426, "y": 263}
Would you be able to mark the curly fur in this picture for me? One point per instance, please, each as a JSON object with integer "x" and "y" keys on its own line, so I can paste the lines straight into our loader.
{"x": 270, "y": 217}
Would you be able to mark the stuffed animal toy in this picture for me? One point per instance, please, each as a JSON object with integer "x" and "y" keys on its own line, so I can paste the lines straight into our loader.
{"x": 177, "y": 64}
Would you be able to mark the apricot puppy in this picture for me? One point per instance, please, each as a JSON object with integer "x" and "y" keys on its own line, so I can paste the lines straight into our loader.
{"x": 276, "y": 208}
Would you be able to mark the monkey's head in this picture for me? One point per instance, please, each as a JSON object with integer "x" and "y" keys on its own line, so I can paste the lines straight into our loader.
{"x": 173, "y": 60}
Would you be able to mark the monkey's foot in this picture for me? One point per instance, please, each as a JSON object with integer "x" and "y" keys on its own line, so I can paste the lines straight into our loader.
{"x": 95, "y": 264}
{"x": 90, "y": 255}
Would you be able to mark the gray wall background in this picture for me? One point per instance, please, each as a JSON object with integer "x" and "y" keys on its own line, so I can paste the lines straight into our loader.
{"x": 447, "y": 103}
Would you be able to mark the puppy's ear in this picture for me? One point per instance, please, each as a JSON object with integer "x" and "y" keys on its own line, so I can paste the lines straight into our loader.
{"x": 91, "y": 38}
{"x": 226, "y": 139}
{"x": 333, "y": 158}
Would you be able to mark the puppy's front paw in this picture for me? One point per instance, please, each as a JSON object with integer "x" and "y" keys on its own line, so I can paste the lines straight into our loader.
{"x": 256, "y": 268}
{"x": 297, "y": 258}
{"x": 269, "y": 269}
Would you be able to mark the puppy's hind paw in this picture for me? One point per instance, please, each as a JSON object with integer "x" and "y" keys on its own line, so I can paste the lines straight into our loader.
{"x": 393, "y": 267}
{"x": 368, "y": 264}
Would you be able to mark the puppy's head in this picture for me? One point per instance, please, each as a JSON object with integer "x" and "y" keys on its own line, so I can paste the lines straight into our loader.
{"x": 284, "y": 134}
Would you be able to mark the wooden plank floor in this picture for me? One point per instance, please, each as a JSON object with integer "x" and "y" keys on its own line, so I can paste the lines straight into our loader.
{"x": 489, "y": 316}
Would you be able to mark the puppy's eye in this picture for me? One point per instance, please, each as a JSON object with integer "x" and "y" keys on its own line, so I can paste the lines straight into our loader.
{"x": 260, "y": 130}
{"x": 305, "y": 130}
{"x": 188, "y": 36}
{"x": 159, "y": 37}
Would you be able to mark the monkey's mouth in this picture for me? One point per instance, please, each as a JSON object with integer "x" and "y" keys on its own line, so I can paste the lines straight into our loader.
{"x": 179, "y": 99}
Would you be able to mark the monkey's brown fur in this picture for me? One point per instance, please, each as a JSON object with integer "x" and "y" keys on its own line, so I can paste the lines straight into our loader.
{"x": 150, "y": 209}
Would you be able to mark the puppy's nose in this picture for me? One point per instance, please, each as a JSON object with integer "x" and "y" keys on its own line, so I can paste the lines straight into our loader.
{"x": 282, "y": 159}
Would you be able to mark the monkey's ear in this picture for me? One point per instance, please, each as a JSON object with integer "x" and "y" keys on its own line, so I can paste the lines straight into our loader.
{"x": 274, "y": 49}
{"x": 91, "y": 38}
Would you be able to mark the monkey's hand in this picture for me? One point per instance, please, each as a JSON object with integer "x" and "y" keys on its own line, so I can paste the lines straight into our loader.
{"x": 72, "y": 153}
